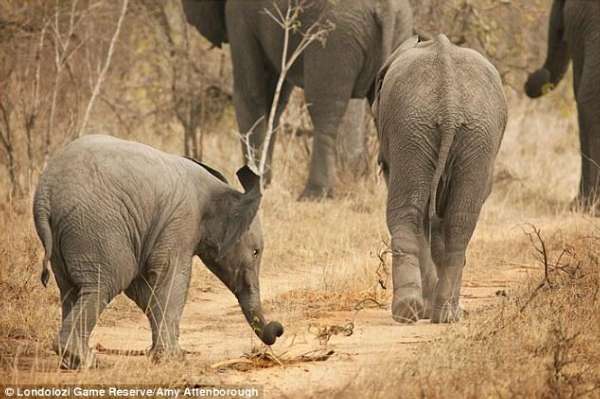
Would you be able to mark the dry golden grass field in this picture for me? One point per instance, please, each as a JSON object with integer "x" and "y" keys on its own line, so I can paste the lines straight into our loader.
{"x": 531, "y": 329}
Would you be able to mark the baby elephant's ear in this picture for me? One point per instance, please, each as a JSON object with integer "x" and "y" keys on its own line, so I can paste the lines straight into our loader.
{"x": 248, "y": 178}
{"x": 242, "y": 211}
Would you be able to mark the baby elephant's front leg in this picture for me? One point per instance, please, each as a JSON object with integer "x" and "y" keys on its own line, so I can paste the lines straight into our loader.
{"x": 162, "y": 295}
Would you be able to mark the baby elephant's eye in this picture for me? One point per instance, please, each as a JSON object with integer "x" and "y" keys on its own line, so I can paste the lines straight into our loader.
{"x": 255, "y": 252}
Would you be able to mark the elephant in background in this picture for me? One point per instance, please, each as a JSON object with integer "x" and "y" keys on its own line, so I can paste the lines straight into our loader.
{"x": 352, "y": 150}
{"x": 117, "y": 216}
{"x": 366, "y": 31}
{"x": 440, "y": 113}
{"x": 574, "y": 34}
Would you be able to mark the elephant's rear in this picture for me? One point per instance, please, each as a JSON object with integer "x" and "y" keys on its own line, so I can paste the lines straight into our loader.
{"x": 437, "y": 102}
{"x": 441, "y": 114}
{"x": 97, "y": 204}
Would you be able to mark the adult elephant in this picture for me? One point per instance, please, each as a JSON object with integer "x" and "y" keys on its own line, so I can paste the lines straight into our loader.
{"x": 574, "y": 33}
{"x": 345, "y": 67}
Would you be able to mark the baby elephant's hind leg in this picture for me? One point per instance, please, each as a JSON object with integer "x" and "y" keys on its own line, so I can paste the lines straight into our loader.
{"x": 68, "y": 292}
{"x": 72, "y": 342}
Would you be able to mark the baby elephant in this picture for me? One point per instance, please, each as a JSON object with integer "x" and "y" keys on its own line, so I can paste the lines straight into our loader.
{"x": 440, "y": 113}
{"x": 117, "y": 216}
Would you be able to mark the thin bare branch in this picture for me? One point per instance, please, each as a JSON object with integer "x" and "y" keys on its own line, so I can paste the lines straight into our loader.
{"x": 101, "y": 77}
{"x": 289, "y": 23}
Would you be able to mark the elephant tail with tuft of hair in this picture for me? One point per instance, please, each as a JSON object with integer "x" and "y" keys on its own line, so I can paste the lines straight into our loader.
{"x": 41, "y": 216}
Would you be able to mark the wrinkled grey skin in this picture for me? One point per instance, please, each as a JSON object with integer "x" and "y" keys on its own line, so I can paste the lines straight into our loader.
{"x": 440, "y": 113}
{"x": 118, "y": 216}
{"x": 352, "y": 148}
{"x": 574, "y": 34}
{"x": 366, "y": 32}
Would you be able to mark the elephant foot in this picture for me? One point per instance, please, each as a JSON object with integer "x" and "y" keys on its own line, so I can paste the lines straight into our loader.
{"x": 408, "y": 309}
{"x": 446, "y": 313}
{"x": 73, "y": 359}
{"x": 314, "y": 193}
{"x": 161, "y": 354}
{"x": 427, "y": 309}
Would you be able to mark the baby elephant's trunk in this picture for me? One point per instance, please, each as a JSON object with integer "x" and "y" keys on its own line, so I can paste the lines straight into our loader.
{"x": 250, "y": 303}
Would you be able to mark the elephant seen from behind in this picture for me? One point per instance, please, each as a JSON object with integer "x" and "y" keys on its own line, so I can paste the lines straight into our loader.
{"x": 440, "y": 113}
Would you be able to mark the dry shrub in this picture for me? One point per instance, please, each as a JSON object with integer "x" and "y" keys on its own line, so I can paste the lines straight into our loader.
{"x": 313, "y": 303}
{"x": 28, "y": 313}
{"x": 540, "y": 342}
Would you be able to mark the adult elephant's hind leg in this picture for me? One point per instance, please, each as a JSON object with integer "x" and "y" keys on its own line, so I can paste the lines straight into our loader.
{"x": 326, "y": 115}
{"x": 328, "y": 88}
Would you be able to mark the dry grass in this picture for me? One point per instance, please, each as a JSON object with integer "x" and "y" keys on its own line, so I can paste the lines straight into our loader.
{"x": 313, "y": 304}
{"x": 28, "y": 314}
{"x": 540, "y": 341}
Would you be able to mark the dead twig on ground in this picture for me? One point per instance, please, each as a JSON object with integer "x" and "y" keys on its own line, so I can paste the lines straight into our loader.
{"x": 324, "y": 333}
{"x": 266, "y": 358}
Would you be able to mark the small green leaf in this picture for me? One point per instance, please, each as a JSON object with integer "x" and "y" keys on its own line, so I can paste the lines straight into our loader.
{"x": 547, "y": 88}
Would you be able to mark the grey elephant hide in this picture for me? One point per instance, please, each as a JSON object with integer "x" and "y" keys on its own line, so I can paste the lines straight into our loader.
{"x": 440, "y": 113}
{"x": 118, "y": 216}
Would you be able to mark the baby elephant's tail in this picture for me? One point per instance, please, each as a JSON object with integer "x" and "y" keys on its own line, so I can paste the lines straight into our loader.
{"x": 41, "y": 216}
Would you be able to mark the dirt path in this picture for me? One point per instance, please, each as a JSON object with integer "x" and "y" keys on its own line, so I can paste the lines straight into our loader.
{"x": 214, "y": 329}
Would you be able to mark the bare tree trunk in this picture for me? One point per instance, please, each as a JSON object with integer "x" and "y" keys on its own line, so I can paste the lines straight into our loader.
{"x": 7, "y": 144}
